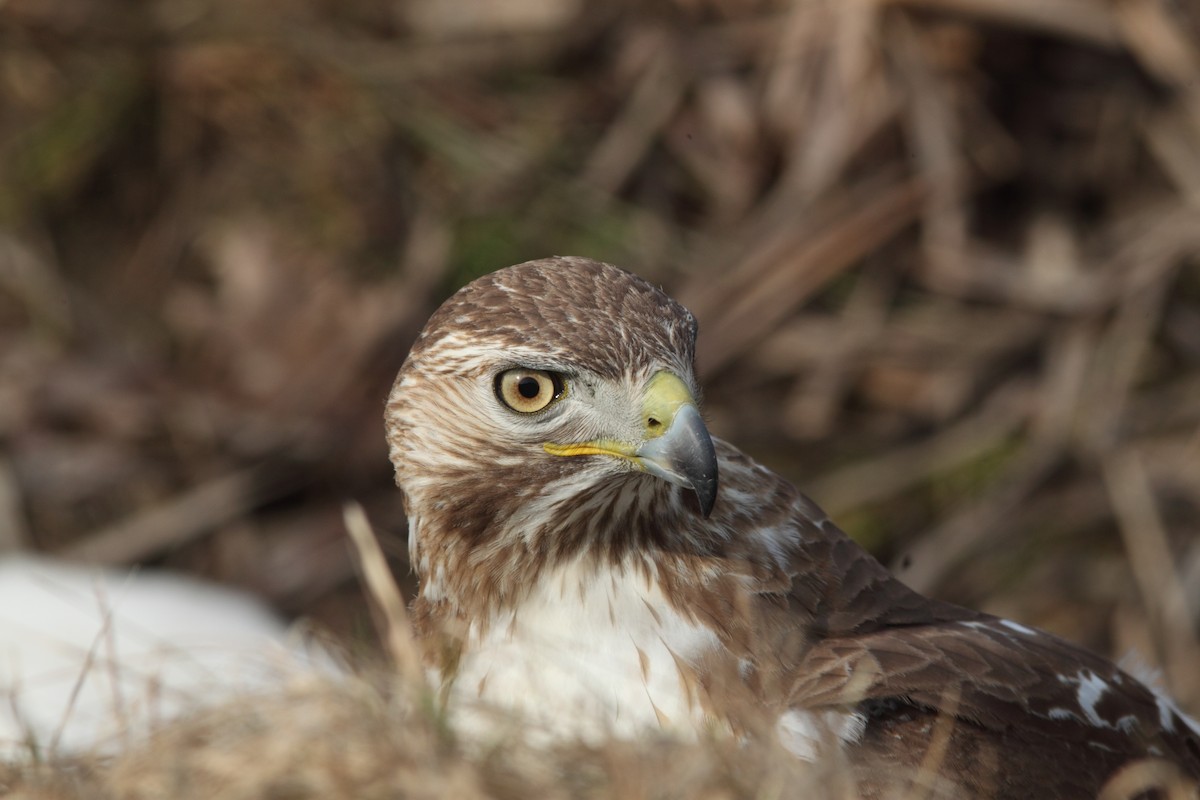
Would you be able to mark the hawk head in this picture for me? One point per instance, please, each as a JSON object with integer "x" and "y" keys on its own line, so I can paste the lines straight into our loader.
{"x": 538, "y": 395}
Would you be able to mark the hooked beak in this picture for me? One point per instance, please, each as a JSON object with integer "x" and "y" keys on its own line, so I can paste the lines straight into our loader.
{"x": 684, "y": 455}
{"x": 676, "y": 445}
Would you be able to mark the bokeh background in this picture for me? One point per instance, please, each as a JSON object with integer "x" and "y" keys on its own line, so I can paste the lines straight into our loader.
{"x": 945, "y": 255}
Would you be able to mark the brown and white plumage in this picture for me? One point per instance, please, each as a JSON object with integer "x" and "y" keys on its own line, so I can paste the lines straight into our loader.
{"x": 600, "y": 567}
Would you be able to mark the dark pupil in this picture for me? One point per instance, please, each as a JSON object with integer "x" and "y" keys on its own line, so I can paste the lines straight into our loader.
{"x": 529, "y": 388}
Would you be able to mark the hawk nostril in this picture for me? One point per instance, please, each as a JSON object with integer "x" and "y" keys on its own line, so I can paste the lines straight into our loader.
{"x": 653, "y": 423}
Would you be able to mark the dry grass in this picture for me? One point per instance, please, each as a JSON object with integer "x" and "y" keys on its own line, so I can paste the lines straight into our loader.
{"x": 378, "y": 733}
{"x": 359, "y": 741}
{"x": 945, "y": 254}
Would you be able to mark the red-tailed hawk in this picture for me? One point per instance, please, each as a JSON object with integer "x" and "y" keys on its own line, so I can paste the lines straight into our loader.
{"x": 593, "y": 562}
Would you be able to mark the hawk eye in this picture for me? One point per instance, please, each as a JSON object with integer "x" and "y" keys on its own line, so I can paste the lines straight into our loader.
{"x": 529, "y": 390}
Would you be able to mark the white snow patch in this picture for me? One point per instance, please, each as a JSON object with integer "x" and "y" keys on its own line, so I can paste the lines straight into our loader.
{"x": 91, "y": 658}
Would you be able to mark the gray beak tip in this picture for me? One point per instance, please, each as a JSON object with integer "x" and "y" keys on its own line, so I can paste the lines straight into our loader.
{"x": 706, "y": 494}
{"x": 685, "y": 456}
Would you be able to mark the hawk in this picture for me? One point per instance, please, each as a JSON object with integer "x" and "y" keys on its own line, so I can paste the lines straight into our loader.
{"x": 593, "y": 563}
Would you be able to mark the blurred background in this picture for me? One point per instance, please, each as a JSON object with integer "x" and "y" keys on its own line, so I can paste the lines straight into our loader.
{"x": 945, "y": 255}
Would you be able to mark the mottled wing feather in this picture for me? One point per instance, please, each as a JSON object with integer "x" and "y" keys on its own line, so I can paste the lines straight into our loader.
{"x": 997, "y": 677}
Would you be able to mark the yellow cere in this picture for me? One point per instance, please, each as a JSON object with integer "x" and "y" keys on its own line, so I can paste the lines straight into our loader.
{"x": 665, "y": 395}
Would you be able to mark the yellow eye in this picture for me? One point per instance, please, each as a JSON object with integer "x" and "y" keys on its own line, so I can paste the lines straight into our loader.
{"x": 529, "y": 390}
